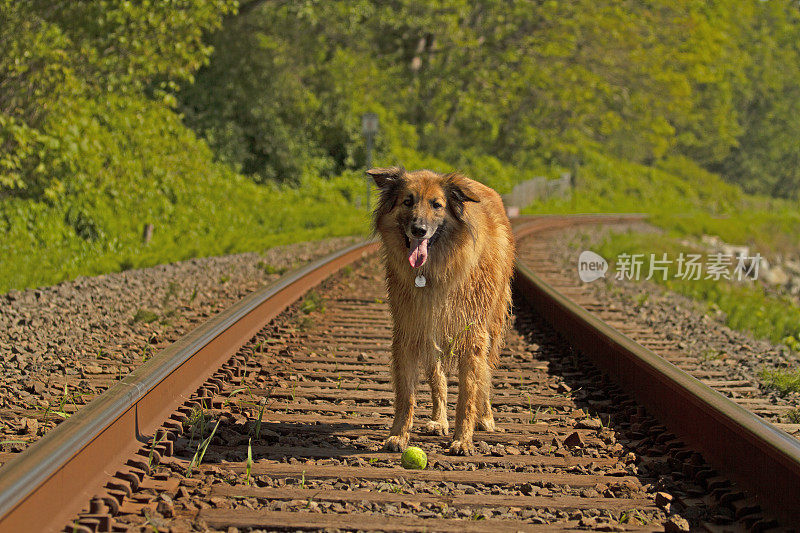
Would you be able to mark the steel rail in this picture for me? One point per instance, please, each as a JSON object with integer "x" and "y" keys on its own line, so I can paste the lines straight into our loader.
{"x": 527, "y": 224}
{"x": 758, "y": 456}
{"x": 43, "y": 487}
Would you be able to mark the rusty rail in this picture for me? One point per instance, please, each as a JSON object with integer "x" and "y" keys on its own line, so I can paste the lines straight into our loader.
{"x": 69, "y": 465}
{"x": 741, "y": 445}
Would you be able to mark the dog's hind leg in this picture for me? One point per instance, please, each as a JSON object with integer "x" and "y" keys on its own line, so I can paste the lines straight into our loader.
{"x": 404, "y": 378}
{"x": 485, "y": 421}
{"x": 437, "y": 379}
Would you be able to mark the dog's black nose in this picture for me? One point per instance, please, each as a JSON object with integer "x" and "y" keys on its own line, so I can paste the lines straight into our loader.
{"x": 418, "y": 231}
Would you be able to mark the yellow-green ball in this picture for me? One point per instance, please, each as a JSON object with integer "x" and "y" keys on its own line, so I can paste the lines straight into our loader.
{"x": 414, "y": 458}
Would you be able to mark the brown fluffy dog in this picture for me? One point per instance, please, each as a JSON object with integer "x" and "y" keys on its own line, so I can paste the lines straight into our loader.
{"x": 451, "y": 234}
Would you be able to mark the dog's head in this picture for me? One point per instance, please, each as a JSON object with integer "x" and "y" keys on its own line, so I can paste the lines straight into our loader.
{"x": 418, "y": 211}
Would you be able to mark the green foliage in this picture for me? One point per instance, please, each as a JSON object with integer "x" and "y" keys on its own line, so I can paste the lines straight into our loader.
{"x": 35, "y": 70}
{"x": 782, "y": 381}
{"x": 127, "y": 161}
{"x": 504, "y": 89}
{"x": 682, "y": 198}
{"x": 252, "y": 104}
{"x": 124, "y": 46}
{"x": 766, "y": 154}
{"x": 91, "y": 148}
{"x": 82, "y": 170}
{"x": 288, "y": 82}
{"x": 22, "y": 167}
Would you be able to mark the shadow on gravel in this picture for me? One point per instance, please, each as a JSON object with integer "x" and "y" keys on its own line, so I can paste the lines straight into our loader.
{"x": 275, "y": 440}
{"x": 660, "y": 461}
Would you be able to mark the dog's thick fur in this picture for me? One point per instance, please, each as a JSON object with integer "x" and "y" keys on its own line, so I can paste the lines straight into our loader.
{"x": 458, "y": 320}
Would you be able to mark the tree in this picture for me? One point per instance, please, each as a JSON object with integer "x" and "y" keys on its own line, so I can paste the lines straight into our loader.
{"x": 766, "y": 156}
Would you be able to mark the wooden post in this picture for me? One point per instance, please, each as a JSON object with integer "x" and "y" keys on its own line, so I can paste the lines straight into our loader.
{"x": 147, "y": 234}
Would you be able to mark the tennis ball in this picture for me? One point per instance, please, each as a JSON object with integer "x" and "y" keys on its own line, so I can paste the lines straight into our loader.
{"x": 414, "y": 458}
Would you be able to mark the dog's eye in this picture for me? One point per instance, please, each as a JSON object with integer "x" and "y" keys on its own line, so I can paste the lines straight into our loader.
{"x": 436, "y": 204}
{"x": 409, "y": 201}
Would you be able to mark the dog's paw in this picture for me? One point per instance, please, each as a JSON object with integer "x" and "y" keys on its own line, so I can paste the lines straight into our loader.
{"x": 485, "y": 424}
{"x": 462, "y": 447}
{"x": 436, "y": 428}
{"x": 395, "y": 444}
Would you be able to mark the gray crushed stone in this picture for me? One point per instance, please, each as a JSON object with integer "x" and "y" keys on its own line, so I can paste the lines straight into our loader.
{"x": 61, "y": 345}
{"x": 695, "y": 328}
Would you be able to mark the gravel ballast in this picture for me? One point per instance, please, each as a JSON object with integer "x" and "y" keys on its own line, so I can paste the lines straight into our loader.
{"x": 685, "y": 324}
{"x": 62, "y": 345}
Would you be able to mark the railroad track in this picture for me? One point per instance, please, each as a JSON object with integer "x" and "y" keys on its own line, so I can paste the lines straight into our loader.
{"x": 299, "y": 382}
{"x": 744, "y": 392}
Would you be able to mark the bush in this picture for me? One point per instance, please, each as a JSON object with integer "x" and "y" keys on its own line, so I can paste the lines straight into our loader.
{"x": 131, "y": 162}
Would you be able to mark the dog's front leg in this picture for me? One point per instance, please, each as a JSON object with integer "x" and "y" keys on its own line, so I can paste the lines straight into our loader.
{"x": 404, "y": 378}
{"x": 438, "y": 381}
{"x": 472, "y": 366}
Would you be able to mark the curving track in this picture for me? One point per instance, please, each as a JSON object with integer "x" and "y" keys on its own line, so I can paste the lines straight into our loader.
{"x": 306, "y": 391}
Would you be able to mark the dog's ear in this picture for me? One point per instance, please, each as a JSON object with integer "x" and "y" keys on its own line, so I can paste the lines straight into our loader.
{"x": 459, "y": 191}
{"x": 390, "y": 182}
{"x": 387, "y": 177}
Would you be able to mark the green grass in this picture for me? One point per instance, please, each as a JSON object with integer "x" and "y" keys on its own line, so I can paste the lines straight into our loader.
{"x": 153, "y": 445}
{"x": 681, "y": 198}
{"x": 39, "y": 248}
{"x": 792, "y": 342}
{"x": 269, "y": 269}
{"x": 312, "y": 302}
{"x": 249, "y": 468}
{"x": 145, "y": 315}
{"x": 197, "y": 459}
{"x": 781, "y": 381}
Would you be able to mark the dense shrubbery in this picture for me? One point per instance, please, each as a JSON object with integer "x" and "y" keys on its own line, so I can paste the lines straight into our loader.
{"x": 520, "y": 83}
{"x": 96, "y": 97}
{"x": 88, "y": 157}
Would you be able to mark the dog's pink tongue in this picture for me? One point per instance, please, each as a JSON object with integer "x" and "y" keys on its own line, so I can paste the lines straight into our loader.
{"x": 418, "y": 253}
